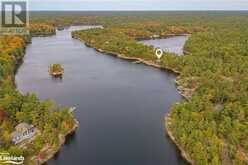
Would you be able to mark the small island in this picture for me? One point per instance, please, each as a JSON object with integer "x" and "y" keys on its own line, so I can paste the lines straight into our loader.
{"x": 56, "y": 70}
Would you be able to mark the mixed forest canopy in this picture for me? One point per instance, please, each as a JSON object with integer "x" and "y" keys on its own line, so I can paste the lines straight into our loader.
{"x": 211, "y": 125}
{"x": 50, "y": 120}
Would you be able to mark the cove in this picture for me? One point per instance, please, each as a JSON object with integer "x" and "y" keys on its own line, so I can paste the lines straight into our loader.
{"x": 172, "y": 44}
{"x": 120, "y": 105}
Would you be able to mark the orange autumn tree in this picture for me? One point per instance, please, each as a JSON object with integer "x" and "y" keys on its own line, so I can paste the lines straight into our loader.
{"x": 41, "y": 29}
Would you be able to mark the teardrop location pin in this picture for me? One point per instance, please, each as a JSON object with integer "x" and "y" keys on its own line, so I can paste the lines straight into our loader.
{"x": 159, "y": 53}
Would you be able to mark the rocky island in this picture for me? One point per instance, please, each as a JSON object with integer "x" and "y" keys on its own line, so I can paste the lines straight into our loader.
{"x": 52, "y": 122}
{"x": 56, "y": 70}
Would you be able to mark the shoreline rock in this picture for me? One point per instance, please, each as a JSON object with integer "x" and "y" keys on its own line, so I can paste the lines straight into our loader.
{"x": 52, "y": 151}
{"x": 63, "y": 137}
{"x": 184, "y": 92}
{"x": 136, "y": 59}
{"x": 171, "y": 136}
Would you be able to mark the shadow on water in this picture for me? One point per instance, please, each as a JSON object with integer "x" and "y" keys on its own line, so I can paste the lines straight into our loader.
{"x": 69, "y": 140}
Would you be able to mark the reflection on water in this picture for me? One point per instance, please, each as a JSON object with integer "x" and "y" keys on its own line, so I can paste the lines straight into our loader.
{"x": 120, "y": 105}
{"x": 57, "y": 79}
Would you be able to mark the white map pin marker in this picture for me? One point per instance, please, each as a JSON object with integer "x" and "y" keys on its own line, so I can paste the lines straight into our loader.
{"x": 159, "y": 53}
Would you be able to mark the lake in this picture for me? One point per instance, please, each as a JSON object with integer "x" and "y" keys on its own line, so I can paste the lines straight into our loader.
{"x": 120, "y": 105}
{"x": 172, "y": 44}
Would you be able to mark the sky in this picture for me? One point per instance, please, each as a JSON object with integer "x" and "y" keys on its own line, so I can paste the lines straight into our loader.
{"x": 138, "y": 4}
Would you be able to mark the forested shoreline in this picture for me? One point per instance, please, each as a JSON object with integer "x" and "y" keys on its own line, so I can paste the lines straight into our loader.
{"x": 211, "y": 126}
{"x": 51, "y": 122}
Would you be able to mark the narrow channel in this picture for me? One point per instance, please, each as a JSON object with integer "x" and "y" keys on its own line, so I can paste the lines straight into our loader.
{"x": 120, "y": 105}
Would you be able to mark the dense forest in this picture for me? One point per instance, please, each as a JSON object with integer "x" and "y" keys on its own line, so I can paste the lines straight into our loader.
{"x": 51, "y": 121}
{"x": 41, "y": 29}
{"x": 210, "y": 125}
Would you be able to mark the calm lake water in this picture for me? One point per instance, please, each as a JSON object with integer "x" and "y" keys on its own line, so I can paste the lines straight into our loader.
{"x": 172, "y": 44}
{"x": 120, "y": 105}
